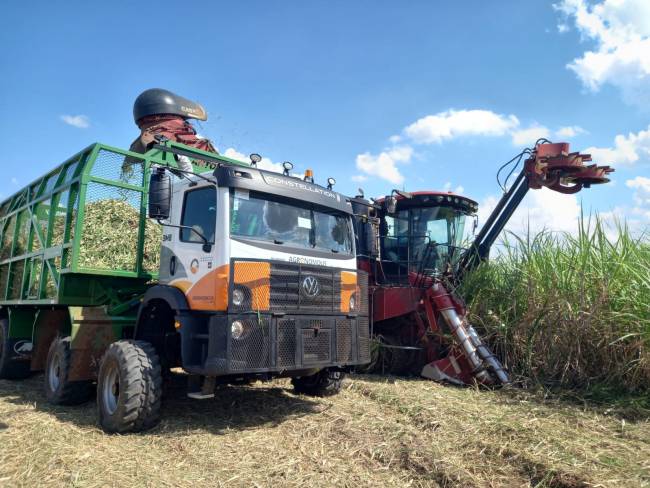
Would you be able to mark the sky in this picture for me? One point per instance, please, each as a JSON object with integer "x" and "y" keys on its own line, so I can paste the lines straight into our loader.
{"x": 416, "y": 95}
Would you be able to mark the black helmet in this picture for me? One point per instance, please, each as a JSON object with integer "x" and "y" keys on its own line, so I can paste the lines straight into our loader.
{"x": 157, "y": 101}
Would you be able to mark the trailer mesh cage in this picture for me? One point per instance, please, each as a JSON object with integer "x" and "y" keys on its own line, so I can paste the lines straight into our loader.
{"x": 86, "y": 217}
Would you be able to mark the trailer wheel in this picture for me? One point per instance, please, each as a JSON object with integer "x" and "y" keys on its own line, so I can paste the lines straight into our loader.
{"x": 129, "y": 387}
{"x": 324, "y": 383}
{"x": 10, "y": 368}
{"x": 59, "y": 390}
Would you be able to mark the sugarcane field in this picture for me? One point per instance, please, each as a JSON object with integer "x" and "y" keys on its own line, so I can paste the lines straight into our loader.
{"x": 325, "y": 244}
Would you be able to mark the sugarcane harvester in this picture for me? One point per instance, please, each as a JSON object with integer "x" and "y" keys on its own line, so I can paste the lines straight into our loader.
{"x": 411, "y": 245}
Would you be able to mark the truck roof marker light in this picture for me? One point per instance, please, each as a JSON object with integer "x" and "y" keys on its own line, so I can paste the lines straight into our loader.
{"x": 177, "y": 325}
{"x": 309, "y": 175}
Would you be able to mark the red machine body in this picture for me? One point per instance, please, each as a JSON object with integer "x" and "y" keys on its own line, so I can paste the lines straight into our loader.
{"x": 411, "y": 244}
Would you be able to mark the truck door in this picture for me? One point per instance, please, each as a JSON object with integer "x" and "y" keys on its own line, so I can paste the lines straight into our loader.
{"x": 191, "y": 263}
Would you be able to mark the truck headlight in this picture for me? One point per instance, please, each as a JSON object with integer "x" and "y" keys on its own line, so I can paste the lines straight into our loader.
{"x": 353, "y": 302}
{"x": 237, "y": 329}
{"x": 238, "y": 297}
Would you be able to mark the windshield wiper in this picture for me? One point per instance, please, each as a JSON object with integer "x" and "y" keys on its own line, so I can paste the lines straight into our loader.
{"x": 276, "y": 241}
{"x": 335, "y": 250}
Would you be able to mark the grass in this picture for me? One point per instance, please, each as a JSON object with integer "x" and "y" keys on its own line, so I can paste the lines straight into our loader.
{"x": 569, "y": 310}
{"x": 377, "y": 432}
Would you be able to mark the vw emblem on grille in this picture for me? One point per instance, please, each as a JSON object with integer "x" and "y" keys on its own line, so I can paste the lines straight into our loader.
{"x": 310, "y": 286}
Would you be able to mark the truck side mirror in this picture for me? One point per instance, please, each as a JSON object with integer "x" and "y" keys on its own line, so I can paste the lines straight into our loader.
{"x": 160, "y": 195}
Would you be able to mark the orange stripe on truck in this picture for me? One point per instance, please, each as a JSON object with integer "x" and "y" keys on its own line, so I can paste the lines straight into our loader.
{"x": 348, "y": 287}
{"x": 256, "y": 276}
{"x": 210, "y": 292}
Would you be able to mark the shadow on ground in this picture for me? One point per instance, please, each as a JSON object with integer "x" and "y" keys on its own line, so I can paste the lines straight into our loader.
{"x": 233, "y": 408}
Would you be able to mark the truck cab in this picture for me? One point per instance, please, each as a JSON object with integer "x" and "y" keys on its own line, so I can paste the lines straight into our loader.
{"x": 259, "y": 272}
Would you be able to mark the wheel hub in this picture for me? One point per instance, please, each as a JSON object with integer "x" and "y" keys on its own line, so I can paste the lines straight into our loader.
{"x": 54, "y": 371}
{"x": 111, "y": 390}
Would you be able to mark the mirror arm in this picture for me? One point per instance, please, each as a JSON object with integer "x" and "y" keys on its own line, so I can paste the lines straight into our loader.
{"x": 207, "y": 247}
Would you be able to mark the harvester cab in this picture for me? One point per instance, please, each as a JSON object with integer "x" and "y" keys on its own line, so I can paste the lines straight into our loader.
{"x": 416, "y": 248}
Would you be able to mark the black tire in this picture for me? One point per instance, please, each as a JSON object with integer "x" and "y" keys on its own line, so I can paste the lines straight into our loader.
{"x": 324, "y": 383}
{"x": 129, "y": 387}
{"x": 10, "y": 368}
{"x": 59, "y": 390}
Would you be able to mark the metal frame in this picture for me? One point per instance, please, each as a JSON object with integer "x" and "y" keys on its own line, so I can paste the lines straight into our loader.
{"x": 47, "y": 263}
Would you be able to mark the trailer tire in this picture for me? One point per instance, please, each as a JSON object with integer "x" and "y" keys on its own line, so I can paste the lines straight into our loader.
{"x": 324, "y": 383}
{"x": 59, "y": 390}
{"x": 129, "y": 387}
{"x": 10, "y": 368}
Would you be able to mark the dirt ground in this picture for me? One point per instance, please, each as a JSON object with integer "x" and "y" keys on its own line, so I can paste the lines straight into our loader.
{"x": 377, "y": 432}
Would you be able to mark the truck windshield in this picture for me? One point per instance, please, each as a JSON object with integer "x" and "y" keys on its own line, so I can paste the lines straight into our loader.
{"x": 265, "y": 217}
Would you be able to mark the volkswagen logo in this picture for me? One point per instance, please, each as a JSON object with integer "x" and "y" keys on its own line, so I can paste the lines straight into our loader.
{"x": 310, "y": 286}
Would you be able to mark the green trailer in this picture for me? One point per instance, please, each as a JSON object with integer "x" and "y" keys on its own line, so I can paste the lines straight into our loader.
{"x": 77, "y": 253}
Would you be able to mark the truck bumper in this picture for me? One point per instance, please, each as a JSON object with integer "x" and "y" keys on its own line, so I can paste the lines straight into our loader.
{"x": 265, "y": 343}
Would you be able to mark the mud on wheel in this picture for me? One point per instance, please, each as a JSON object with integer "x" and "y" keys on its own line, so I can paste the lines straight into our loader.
{"x": 10, "y": 367}
{"x": 59, "y": 390}
{"x": 324, "y": 383}
{"x": 129, "y": 387}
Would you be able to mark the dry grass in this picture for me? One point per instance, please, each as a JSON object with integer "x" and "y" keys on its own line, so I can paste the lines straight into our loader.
{"x": 377, "y": 432}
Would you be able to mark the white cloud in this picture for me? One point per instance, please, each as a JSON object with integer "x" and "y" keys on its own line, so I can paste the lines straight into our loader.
{"x": 627, "y": 150}
{"x": 78, "y": 121}
{"x": 359, "y": 178}
{"x": 458, "y": 190}
{"x": 641, "y": 185}
{"x": 621, "y": 31}
{"x": 454, "y": 123}
{"x": 384, "y": 165}
{"x": 265, "y": 163}
{"x": 569, "y": 131}
{"x": 541, "y": 210}
{"x": 528, "y": 137}
{"x": 14, "y": 181}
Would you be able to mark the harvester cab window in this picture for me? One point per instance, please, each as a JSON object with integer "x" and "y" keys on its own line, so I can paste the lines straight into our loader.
{"x": 442, "y": 226}
{"x": 396, "y": 237}
{"x": 199, "y": 213}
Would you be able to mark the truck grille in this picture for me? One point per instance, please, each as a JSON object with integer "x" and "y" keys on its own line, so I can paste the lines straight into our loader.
{"x": 292, "y": 343}
{"x": 287, "y": 287}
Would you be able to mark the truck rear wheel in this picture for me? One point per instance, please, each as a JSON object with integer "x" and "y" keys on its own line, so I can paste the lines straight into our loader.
{"x": 129, "y": 387}
{"x": 10, "y": 368}
{"x": 324, "y": 383}
{"x": 59, "y": 390}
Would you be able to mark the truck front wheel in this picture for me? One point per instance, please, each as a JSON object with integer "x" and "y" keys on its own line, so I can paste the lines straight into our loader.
{"x": 59, "y": 390}
{"x": 129, "y": 387}
{"x": 324, "y": 383}
{"x": 10, "y": 368}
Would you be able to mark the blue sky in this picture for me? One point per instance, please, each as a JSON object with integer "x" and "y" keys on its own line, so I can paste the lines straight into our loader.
{"x": 336, "y": 85}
